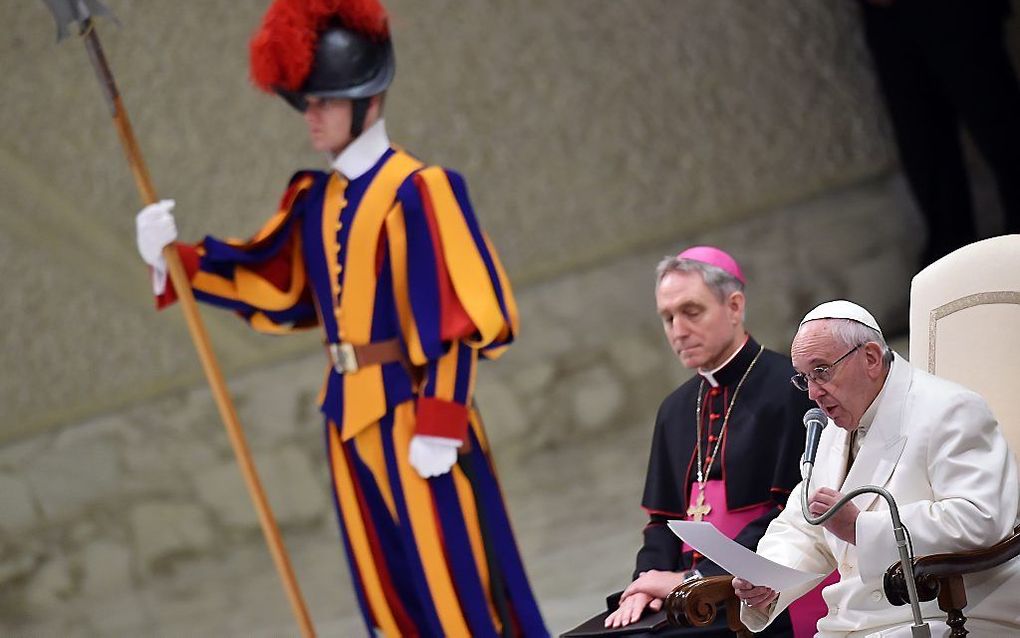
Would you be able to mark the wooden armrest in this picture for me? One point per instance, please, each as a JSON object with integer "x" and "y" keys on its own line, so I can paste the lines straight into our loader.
{"x": 932, "y": 570}
{"x": 696, "y": 603}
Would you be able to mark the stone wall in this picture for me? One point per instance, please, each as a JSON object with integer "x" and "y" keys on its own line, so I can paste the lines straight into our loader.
{"x": 586, "y": 129}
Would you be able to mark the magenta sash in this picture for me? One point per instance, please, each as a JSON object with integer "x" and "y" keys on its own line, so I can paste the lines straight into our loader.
{"x": 806, "y": 611}
{"x": 727, "y": 522}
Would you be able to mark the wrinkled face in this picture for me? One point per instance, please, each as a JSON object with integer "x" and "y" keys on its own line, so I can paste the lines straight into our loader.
{"x": 702, "y": 330}
{"x": 329, "y": 124}
{"x": 855, "y": 382}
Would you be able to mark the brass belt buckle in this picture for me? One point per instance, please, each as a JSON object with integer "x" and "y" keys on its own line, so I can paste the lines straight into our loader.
{"x": 345, "y": 361}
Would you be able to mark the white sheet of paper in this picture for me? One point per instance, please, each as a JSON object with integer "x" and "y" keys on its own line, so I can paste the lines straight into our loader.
{"x": 737, "y": 559}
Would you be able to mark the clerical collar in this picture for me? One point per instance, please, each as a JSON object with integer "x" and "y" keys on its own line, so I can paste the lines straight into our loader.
{"x": 733, "y": 368}
{"x": 363, "y": 153}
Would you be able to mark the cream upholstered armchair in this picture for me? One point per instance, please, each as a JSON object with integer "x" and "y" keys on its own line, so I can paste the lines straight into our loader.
{"x": 965, "y": 327}
{"x": 965, "y": 324}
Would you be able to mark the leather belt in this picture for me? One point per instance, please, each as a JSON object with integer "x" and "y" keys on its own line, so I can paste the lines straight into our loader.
{"x": 348, "y": 358}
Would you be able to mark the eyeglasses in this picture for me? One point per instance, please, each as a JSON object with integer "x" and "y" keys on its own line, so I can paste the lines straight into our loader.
{"x": 821, "y": 374}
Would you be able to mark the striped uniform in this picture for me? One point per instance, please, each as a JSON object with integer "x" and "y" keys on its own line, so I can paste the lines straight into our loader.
{"x": 394, "y": 253}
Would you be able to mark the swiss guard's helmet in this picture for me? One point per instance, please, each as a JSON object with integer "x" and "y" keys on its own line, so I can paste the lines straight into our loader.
{"x": 324, "y": 48}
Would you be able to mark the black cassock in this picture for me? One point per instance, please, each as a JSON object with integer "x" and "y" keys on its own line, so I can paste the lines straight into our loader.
{"x": 758, "y": 459}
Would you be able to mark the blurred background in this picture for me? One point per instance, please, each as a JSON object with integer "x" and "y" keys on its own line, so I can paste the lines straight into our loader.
{"x": 596, "y": 136}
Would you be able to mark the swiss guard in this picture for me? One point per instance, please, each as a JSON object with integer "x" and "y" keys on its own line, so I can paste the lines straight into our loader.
{"x": 385, "y": 255}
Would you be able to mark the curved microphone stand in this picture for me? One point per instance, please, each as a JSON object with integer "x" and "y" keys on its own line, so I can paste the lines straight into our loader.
{"x": 919, "y": 628}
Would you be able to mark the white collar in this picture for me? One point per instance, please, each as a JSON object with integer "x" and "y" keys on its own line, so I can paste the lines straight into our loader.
{"x": 709, "y": 375}
{"x": 361, "y": 155}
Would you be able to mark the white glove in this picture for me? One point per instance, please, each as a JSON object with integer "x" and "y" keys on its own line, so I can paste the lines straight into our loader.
{"x": 433, "y": 455}
{"x": 156, "y": 229}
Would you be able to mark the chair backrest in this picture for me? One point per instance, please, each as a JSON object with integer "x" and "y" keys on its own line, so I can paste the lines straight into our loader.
{"x": 965, "y": 324}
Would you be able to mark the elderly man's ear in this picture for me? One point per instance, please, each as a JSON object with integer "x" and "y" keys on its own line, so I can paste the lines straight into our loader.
{"x": 873, "y": 354}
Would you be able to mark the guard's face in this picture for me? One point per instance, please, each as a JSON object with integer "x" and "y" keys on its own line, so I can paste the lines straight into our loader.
{"x": 329, "y": 124}
{"x": 848, "y": 393}
{"x": 701, "y": 329}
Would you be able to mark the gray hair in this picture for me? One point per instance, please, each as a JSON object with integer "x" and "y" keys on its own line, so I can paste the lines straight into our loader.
{"x": 721, "y": 283}
{"x": 853, "y": 333}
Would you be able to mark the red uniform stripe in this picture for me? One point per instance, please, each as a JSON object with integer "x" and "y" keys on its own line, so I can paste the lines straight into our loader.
{"x": 454, "y": 320}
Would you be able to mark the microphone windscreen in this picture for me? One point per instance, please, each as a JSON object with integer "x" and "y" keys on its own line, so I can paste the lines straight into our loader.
{"x": 817, "y": 415}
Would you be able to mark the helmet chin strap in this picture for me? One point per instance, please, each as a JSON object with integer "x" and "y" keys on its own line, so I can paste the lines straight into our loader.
{"x": 359, "y": 109}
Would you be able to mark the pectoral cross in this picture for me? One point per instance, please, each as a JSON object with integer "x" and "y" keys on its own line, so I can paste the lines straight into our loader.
{"x": 700, "y": 508}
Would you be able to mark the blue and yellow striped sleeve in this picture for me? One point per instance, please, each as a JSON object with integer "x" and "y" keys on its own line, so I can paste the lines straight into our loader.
{"x": 457, "y": 305}
{"x": 262, "y": 279}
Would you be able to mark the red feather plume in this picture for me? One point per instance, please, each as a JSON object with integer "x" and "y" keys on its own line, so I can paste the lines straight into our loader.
{"x": 283, "y": 48}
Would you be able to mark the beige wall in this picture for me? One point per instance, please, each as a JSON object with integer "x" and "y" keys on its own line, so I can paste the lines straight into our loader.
{"x": 586, "y": 129}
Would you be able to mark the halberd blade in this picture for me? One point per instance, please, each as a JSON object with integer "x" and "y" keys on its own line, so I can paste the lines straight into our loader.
{"x": 67, "y": 12}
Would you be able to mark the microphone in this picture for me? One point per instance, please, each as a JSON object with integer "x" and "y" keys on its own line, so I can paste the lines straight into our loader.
{"x": 815, "y": 421}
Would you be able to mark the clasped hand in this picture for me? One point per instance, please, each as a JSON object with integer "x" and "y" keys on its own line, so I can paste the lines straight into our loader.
{"x": 842, "y": 524}
{"x": 155, "y": 229}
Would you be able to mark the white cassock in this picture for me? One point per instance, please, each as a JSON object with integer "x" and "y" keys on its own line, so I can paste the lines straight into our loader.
{"x": 937, "y": 448}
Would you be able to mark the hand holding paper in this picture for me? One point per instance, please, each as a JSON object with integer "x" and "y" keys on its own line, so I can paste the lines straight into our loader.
{"x": 754, "y": 596}
{"x": 738, "y": 560}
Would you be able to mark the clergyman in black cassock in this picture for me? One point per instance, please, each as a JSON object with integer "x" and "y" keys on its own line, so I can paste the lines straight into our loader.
{"x": 758, "y": 459}
{"x": 726, "y": 444}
